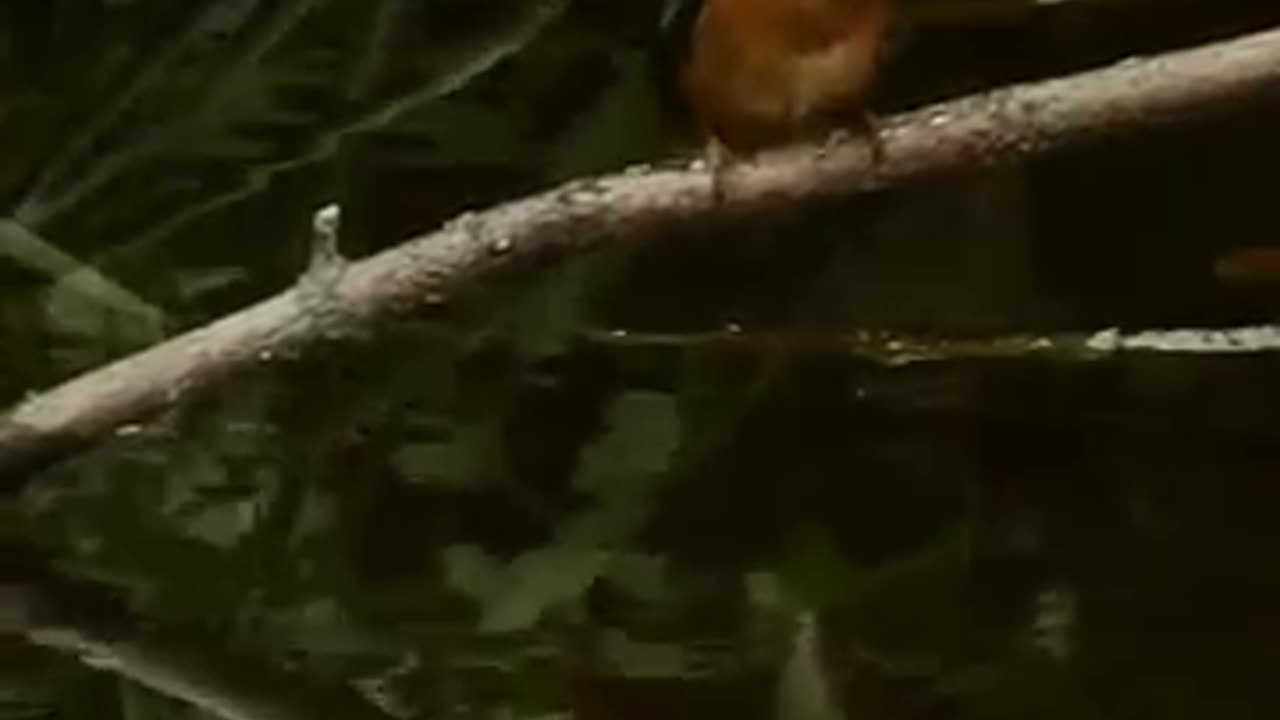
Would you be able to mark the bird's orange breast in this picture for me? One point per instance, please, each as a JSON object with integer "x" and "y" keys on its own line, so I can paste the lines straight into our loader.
{"x": 764, "y": 71}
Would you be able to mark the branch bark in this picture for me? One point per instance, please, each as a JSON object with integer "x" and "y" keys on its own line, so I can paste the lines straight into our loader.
{"x": 996, "y": 128}
{"x": 223, "y": 684}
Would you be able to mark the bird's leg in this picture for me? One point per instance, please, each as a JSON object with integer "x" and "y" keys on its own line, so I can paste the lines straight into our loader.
{"x": 868, "y": 125}
{"x": 865, "y": 125}
{"x": 718, "y": 159}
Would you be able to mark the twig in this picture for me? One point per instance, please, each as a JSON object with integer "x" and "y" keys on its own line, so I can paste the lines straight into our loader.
{"x": 476, "y": 58}
{"x": 222, "y": 684}
{"x": 39, "y": 209}
{"x": 32, "y": 209}
{"x": 992, "y": 129}
{"x": 897, "y": 349}
{"x": 367, "y": 69}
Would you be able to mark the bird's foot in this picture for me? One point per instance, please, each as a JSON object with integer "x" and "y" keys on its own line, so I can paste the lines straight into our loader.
{"x": 865, "y": 126}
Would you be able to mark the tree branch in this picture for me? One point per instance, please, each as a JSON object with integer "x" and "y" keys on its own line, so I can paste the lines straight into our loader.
{"x": 221, "y": 683}
{"x": 899, "y": 349}
{"x": 992, "y": 129}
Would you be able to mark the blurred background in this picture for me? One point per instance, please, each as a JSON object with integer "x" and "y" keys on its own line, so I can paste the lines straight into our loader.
{"x": 565, "y": 493}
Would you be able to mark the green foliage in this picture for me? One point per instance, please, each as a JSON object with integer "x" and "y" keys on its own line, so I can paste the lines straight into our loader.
{"x": 644, "y": 659}
{"x": 623, "y": 127}
{"x": 619, "y": 470}
{"x": 540, "y": 579}
{"x": 544, "y": 316}
{"x": 643, "y": 431}
{"x": 467, "y": 461}
{"x": 471, "y": 509}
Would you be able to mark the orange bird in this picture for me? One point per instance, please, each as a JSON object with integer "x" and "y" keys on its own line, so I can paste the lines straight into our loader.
{"x": 765, "y": 72}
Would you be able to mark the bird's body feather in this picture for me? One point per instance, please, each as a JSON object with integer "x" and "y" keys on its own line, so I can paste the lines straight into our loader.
{"x": 765, "y": 71}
